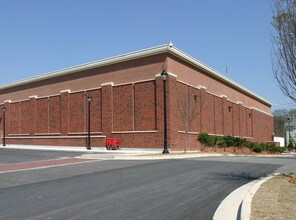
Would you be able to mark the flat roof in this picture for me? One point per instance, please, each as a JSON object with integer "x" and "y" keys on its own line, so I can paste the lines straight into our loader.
{"x": 165, "y": 48}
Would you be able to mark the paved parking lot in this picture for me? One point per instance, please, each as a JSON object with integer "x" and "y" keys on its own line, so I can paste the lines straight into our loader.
{"x": 114, "y": 189}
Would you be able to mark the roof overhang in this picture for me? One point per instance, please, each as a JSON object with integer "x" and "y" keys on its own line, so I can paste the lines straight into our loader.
{"x": 166, "y": 48}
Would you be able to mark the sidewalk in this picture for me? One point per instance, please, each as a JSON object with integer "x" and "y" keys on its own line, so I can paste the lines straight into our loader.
{"x": 135, "y": 153}
{"x": 94, "y": 150}
{"x": 121, "y": 154}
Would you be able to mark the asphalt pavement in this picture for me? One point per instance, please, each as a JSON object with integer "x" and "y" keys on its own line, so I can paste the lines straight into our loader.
{"x": 18, "y": 155}
{"x": 115, "y": 189}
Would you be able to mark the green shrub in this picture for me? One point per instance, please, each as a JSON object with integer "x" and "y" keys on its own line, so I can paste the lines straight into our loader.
{"x": 221, "y": 143}
{"x": 229, "y": 140}
{"x": 257, "y": 148}
{"x": 207, "y": 140}
{"x": 204, "y": 140}
{"x": 291, "y": 145}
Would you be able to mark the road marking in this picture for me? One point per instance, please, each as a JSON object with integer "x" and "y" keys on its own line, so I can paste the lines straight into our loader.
{"x": 14, "y": 167}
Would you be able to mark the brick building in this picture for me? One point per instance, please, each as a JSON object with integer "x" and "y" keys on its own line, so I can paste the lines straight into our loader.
{"x": 127, "y": 103}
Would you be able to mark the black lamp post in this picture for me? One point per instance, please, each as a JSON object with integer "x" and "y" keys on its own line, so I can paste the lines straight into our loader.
{"x": 164, "y": 76}
{"x": 4, "y": 110}
{"x": 289, "y": 121}
{"x": 88, "y": 124}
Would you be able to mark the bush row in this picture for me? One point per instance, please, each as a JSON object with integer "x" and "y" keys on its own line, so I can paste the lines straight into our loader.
{"x": 292, "y": 145}
{"x": 224, "y": 142}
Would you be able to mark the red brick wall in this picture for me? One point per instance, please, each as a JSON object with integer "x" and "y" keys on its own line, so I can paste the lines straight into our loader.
{"x": 77, "y": 113}
{"x": 64, "y": 113}
{"x": 96, "y": 110}
{"x": 54, "y": 109}
{"x": 219, "y": 126}
{"x": 25, "y": 117}
{"x": 131, "y": 111}
{"x": 42, "y": 119}
{"x": 208, "y": 113}
{"x": 236, "y": 118}
{"x": 243, "y": 121}
{"x": 123, "y": 112}
{"x": 14, "y": 120}
{"x": 145, "y": 108}
{"x": 263, "y": 126}
{"x": 196, "y": 77}
{"x": 124, "y": 72}
{"x": 250, "y": 123}
{"x": 181, "y": 100}
{"x": 220, "y": 116}
{"x": 227, "y": 117}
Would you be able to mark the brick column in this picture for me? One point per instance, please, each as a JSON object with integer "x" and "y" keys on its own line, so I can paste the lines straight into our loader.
{"x": 65, "y": 112}
{"x": 107, "y": 108}
{"x": 32, "y": 112}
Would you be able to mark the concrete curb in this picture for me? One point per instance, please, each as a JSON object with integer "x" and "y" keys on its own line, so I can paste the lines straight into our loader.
{"x": 245, "y": 213}
{"x": 229, "y": 207}
{"x": 237, "y": 205}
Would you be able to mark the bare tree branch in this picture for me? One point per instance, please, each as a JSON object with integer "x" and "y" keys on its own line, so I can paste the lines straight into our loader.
{"x": 284, "y": 46}
{"x": 190, "y": 104}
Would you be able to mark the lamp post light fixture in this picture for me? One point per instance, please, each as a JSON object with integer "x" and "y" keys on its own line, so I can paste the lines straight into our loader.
{"x": 89, "y": 98}
{"x": 4, "y": 110}
{"x": 164, "y": 76}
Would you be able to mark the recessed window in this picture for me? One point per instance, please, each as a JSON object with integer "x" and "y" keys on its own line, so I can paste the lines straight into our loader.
{"x": 195, "y": 98}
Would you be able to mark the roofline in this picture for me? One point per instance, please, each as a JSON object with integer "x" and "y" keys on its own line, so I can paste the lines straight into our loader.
{"x": 165, "y": 48}
{"x": 189, "y": 59}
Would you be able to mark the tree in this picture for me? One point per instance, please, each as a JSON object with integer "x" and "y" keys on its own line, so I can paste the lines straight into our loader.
{"x": 190, "y": 103}
{"x": 284, "y": 46}
{"x": 280, "y": 117}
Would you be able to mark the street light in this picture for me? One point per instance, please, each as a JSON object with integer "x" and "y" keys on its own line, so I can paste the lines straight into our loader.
{"x": 164, "y": 76}
{"x": 289, "y": 120}
{"x": 88, "y": 124}
{"x": 4, "y": 110}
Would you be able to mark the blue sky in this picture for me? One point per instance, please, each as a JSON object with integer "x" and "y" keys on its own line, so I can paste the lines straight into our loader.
{"x": 41, "y": 36}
